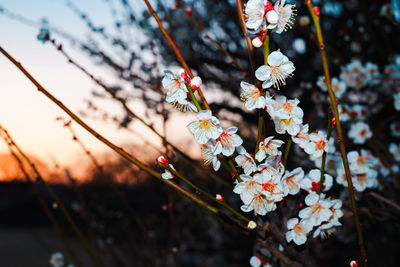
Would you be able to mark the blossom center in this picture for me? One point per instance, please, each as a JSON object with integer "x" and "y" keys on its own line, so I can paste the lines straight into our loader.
{"x": 315, "y": 186}
{"x": 206, "y": 125}
{"x": 225, "y": 139}
{"x": 270, "y": 187}
{"x": 288, "y": 107}
{"x": 320, "y": 145}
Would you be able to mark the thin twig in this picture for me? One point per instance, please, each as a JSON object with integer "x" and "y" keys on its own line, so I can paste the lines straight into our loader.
{"x": 315, "y": 18}
{"x": 176, "y": 51}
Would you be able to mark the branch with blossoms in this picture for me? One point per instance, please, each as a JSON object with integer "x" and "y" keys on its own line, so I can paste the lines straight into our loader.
{"x": 289, "y": 183}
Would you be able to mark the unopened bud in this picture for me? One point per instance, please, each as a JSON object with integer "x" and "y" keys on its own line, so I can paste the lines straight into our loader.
{"x": 175, "y": 7}
{"x": 163, "y": 160}
{"x": 333, "y": 122}
{"x": 195, "y": 83}
{"x": 316, "y": 11}
{"x": 219, "y": 197}
{"x": 251, "y": 225}
{"x": 257, "y": 41}
{"x": 189, "y": 11}
{"x": 272, "y": 17}
{"x": 353, "y": 264}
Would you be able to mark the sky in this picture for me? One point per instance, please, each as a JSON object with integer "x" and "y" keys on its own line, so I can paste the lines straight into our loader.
{"x": 29, "y": 116}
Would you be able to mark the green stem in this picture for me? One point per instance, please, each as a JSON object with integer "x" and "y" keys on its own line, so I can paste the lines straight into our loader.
{"x": 315, "y": 18}
{"x": 285, "y": 157}
{"x": 193, "y": 97}
{"x": 200, "y": 191}
{"x": 323, "y": 160}
{"x": 262, "y": 112}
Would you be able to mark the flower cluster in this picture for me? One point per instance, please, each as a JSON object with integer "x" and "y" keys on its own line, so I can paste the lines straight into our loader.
{"x": 176, "y": 90}
{"x": 263, "y": 16}
{"x": 363, "y": 169}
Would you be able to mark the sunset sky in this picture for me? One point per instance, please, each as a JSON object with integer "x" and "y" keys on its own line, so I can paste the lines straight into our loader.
{"x": 30, "y": 116}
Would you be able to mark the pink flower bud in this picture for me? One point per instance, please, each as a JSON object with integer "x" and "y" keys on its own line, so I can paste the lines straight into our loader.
{"x": 175, "y": 7}
{"x": 316, "y": 11}
{"x": 219, "y": 197}
{"x": 189, "y": 11}
{"x": 257, "y": 41}
{"x": 163, "y": 160}
{"x": 353, "y": 264}
{"x": 195, "y": 83}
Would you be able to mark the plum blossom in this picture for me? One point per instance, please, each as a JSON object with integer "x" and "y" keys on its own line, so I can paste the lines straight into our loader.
{"x": 205, "y": 128}
{"x": 246, "y": 161}
{"x": 271, "y": 167}
{"x": 338, "y": 87}
{"x": 318, "y": 209}
{"x": 271, "y": 187}
{"x": 262, "y": 16}
{"x": 354, "y": 74}
{"x": 252, "y": 96}
{"x": 284, "y": 18}
{"x": 255, "y": 13}
{"x": 227, "y": 141}
{"x": 317, "y": 145}
{"x": 360, "y": 132}
{"x": 395, "y": 151}
{"x": 287, "y": 116}
{"x": 268, "y": 146}
{"x": 176, "y": 92}
{"x": 247, "y": 188}
{"x": 362, "y": 168}
{"x": 174, "y": 87}
{"x": 302, "y": 137}
{"x": 395, "y": 128}
{"x": 366, "y": 180}
{"x": 256, "y": 261}
{"x": 361, "y": 161}
{"x": 275, "y": 73}
{"x": 298, "y": 231}
{"x": 56, "y": 259}
{"x": 291, "y": 181}
{"x": 210, "y": 157}
{"x": 396, "y": 98}
{"x": 311, "y": 182}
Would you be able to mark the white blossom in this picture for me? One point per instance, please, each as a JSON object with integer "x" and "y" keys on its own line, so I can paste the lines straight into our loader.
{"x": 275, "y": 73}
{"x": 205, "y": 128}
